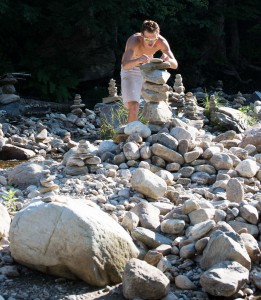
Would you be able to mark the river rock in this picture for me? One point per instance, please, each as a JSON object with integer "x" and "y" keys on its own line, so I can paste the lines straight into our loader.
{"x": 151, "y": 185}
{"x": 77, "y": 241}
{"x": 143, "y": 280}
{"x": 224, "y": 278}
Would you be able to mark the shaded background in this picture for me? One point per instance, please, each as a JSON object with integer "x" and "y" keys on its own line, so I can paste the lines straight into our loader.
{"x": 72, "y": 47}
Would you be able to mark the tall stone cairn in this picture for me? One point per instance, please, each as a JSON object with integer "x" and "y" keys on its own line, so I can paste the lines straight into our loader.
{"x": 155, "y": 92}
{"x": 77, "y": 105}
{"x": 177, "y": 97}
{"x": 7, "y": 90}
{"x": 178, "y": 85}
{"x": 212, "y": 107}
{"x": 113, "y": 95}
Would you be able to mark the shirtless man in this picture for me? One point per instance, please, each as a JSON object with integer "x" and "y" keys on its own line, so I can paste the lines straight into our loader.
{"x": 140, "y": 48}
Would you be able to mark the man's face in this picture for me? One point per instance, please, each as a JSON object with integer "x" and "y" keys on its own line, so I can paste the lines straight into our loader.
{"x": 150, "y": 38}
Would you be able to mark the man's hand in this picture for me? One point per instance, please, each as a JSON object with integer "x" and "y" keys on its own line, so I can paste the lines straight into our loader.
{"x": 144, "y": 58}
{"x": 164, "y": 57}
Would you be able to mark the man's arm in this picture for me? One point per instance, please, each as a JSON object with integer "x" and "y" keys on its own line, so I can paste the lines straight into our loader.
{"x": 167, "y": 54}
{"x": 128, "y": 61}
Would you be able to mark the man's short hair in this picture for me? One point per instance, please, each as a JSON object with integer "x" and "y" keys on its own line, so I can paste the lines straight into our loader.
{"x": 150, "y": 26}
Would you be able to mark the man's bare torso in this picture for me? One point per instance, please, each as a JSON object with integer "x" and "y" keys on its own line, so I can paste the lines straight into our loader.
{"x": 139, "y": 48}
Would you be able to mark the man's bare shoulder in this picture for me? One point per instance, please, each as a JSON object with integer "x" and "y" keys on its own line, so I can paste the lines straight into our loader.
{"x": 161, "y": 39}
{"x": 162, "y": 43}
{"x": 135, "y": 38}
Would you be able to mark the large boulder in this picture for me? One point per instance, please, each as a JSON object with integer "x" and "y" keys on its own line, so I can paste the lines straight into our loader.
{"x": 230, "y": 118}
{"x": 25, "y": 174}
{"x": 71, "y": 239}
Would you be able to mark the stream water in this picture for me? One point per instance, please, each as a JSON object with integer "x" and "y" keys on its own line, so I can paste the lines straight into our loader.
{"x": 5, "y": 164}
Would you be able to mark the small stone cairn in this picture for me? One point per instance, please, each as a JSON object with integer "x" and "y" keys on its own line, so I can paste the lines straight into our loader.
{"x": 113, "y": 96}
{"x": 49, "y": 189}
{"x": 177, "y": 97}
{"x": 42, "y": 133}
{"x": 68, "y": 141}
{"x": 82, "y": 119}
{"x": 8, "y": 89}
{"x": 77, "y": 105}
{"x": 80, "y": 160}
{"x": 238, "y": 101}
{"x": 155, "y": 92}
{"x": 212, "y": 107}
{"x": 178, "y": 85}
{"x": 218, "y": 91}
{"x": 192, "y": 110}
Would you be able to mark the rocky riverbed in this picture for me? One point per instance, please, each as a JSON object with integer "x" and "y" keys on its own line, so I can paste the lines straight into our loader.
{"x": 167, "y": 211}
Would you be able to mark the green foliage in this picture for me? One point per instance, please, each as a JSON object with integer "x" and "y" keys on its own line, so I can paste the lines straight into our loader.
{"x": 118, "y": 118}
{"x": 56, "y": 85}
{"x": 9, "y": 199}
{"x": 47, "y": 39}
{"x": 207, "y": 103}
{"x": 4, "y": 6}
{"x": 248, "y": 113}
{"x": 206, "y": 107}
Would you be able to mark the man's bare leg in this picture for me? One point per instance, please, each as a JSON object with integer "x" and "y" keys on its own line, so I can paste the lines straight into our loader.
{"x": 133, "y": 111}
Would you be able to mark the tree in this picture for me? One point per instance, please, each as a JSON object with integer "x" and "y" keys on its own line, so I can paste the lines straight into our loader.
{"x": 215, "y": 39}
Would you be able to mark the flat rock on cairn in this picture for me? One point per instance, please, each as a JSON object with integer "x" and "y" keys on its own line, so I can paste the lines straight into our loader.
{"x": 155, "y": 92}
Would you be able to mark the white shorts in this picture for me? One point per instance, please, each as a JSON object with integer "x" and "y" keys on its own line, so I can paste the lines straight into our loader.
{"x": 131, "y": 84}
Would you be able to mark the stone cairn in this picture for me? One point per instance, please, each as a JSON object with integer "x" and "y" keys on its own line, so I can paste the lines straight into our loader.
{"x": 238, "y": 101}
{"x": 212, "y": 107}
{"x": 192, "y": 110}
{"x": 113, "y": 96}
{"x": 68, "y": 140}
{"x": 8, "y": 89}
{"x": 218, "y": 91}
{"x": 155, "y": 92}
{"x": 178, "y": 85}
{"x": 42, "y": 134}
{"x": 81, "y": 160}
{"x": 177, "y": 97}
{"x": 49, "y": 189}
{"x": 77, "y": 105}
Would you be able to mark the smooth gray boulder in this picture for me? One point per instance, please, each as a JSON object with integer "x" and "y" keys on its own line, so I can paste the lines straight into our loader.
{"x": 71, "y": 239}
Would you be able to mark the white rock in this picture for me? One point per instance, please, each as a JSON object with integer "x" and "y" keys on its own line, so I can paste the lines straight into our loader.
{"x": 71, "y": 240}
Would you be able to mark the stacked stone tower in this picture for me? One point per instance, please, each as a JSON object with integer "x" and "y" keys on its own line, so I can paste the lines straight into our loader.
{"x": 77, "y": 105}
{"x": 7, "y": 91}
{"x": 112, "y": 89}
{"x": 155, "y": 92}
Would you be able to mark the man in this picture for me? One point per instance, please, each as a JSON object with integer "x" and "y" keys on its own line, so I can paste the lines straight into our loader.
{"x": 140, "y": 48}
